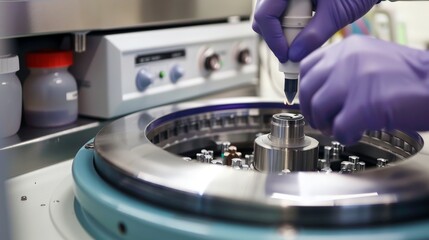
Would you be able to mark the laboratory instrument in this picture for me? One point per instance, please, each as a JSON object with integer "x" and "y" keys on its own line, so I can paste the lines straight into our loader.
{"x": 296, "y": 17}
{"x": 10, "y": 96}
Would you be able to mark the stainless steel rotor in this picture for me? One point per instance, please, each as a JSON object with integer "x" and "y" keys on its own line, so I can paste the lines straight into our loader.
{"x": 286, "y": 148}
{"x": 131, "y": 154}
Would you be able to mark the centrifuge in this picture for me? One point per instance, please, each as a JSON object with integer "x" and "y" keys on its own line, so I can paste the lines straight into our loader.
{"x": 239, "y": 168}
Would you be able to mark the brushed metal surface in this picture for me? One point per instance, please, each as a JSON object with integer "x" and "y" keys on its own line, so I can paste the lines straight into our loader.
{"x": 35, "y": 148}
{"x": 125, "y": 157}
{"x": 275, "y": 159}
{"x": 286, "y": 148}
{"x": 36, "y": 17}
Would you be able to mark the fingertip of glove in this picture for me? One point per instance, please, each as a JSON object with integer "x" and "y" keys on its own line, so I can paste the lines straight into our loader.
{"x": 256, "y": 28}
{"x": 309, "y": 39}
{"x": 282, "y": 57}
{"x": 296, "y": 54}
{"x": 347, "y": 137}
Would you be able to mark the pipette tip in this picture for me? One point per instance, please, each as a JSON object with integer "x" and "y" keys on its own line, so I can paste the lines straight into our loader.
{"x": 290, "y": 89}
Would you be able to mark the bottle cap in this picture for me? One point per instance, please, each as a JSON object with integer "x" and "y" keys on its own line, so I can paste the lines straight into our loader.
{"x": 49, "y": 59}
{"x": 9, "y": 64}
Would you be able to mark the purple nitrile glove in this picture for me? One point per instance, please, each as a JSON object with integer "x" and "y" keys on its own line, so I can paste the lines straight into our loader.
{"x": 363, "y": 83}
{"x": 330, "y": 16}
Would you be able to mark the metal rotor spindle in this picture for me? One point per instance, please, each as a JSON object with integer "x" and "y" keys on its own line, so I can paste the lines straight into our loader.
{"x": 286, "y": 147}
{"x": 288, "y": 128}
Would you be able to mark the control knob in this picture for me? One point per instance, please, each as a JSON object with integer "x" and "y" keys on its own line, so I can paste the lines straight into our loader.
{"x": 244, "y": 57}
{"x": 176, "y": 73}
{"x": 144, "y": 79}
{"x": 212, "y": 62}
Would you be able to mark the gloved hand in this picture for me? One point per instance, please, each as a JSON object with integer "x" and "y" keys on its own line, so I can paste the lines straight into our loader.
{"x": 330, "y": 16}
{"x": 363, "y": 84}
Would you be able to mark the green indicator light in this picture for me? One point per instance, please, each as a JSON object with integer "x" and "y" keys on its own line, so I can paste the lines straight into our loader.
{"x": 161, "y": 74}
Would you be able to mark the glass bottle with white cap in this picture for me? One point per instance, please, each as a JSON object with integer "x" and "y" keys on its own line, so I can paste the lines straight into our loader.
{"x": 10, "y": 96}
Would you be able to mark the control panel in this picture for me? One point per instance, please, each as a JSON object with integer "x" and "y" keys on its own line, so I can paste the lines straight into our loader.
{"x": 128, "y": 72}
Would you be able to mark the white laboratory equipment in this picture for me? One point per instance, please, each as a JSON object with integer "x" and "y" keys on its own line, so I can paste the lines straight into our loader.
{"x": 10, "y": 96}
